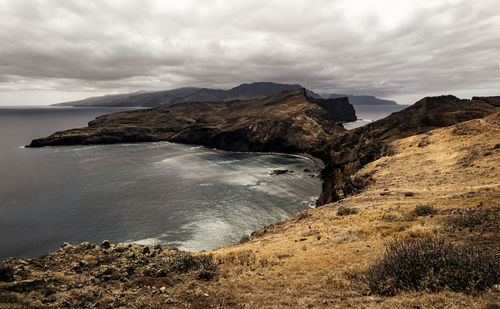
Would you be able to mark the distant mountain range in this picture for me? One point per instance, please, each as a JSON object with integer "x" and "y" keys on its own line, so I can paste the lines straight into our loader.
{"x": 194, "y": 94}
{"x": 362, "y": 99}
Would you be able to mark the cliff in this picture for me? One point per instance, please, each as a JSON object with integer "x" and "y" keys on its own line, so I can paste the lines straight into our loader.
{"x": 362, "y": 99}
{"x": 351, "y": 150}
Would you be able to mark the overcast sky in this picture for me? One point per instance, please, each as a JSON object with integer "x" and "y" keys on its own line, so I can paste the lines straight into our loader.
{"x": 57, "y": 50}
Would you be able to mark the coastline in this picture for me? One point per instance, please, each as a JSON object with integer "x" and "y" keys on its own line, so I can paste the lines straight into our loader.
{"x": 317, "y": 258}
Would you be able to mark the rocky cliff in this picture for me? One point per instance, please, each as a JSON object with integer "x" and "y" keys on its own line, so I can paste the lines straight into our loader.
{"x": 351, "y": 150}
{"x": 361, "y": 99}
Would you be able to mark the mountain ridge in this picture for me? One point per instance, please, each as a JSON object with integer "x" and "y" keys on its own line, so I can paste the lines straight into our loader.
{"x": 244, "y": 91}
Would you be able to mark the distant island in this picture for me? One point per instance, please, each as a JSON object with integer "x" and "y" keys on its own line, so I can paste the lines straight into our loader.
{"x": 362, "y": 99}
{"x": 256, "y": 90}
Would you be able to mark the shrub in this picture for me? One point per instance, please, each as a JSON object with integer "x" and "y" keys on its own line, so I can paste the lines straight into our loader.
{"x": 6, "y": 273}
{"x": 344, "y": 211}
{"x": 432, "y": 265}
{"x": 186, "y": 262}
{"x": 469, "y": 220}
{"x": 421, "y": 211}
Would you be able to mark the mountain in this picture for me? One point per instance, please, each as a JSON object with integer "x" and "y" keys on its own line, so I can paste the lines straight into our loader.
{"x": 189, "y": 94}
{"x": 362, "y": 99}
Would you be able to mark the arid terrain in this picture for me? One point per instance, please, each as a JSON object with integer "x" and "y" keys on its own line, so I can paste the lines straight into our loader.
{"x": 429, "y": 181}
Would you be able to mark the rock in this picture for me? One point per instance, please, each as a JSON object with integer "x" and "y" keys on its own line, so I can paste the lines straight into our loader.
{"x": 105, "y": 244}
{"x": 278, "y": 172}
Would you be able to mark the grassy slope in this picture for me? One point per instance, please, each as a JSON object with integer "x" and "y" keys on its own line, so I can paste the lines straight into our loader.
{"x": 317, "y": 258}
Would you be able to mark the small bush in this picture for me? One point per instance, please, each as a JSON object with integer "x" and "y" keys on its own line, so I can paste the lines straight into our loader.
{"x": 344, "y": 211}
{"x": 432, "y": 265}
{"x": 391, "y": 218}
{"x": 186, "y": 262}
{"x": 6, "y": 273}
{"x": 182, "y": 263}
{"x": 421, "y": 211}
{"x": 469, "y": 220}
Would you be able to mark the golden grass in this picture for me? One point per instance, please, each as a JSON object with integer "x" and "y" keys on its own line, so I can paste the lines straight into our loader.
{"x": 318, "y": 261}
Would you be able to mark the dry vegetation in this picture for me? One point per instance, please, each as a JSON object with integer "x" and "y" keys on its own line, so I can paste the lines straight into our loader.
{"x": 443, "y": 184}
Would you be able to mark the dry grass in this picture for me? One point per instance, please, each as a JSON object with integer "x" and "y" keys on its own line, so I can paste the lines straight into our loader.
{"x": 318, "y": 259}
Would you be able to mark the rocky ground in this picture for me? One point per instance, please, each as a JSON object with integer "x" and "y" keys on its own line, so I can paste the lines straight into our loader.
{"x": 319, "y": 258}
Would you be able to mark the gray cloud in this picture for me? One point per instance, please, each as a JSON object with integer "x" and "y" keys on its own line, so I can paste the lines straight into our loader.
{"x": 387, "y": 48}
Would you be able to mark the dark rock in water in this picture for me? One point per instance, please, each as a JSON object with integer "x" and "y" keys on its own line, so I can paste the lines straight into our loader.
{"x": 306, "y": 170}
{"x": 278, "y": 172}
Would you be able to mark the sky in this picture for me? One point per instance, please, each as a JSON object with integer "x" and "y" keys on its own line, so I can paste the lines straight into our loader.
{"x": 59, "y": 50}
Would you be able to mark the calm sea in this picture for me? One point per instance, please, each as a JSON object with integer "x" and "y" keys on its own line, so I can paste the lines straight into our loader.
{"x": 190, "y": 197}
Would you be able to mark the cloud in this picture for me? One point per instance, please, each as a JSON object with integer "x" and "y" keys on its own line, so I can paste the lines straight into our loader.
{"x": 386, "y": 47}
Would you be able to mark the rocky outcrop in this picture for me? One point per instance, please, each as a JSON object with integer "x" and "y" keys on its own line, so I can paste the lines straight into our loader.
{"x": 109, "y": 276}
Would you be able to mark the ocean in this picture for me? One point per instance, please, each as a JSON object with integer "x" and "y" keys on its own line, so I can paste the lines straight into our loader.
{"x": 370, "y": 113}
{"x": 190, "y": 197}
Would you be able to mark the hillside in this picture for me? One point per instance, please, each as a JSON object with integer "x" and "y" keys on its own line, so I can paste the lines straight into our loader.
{"x": 319, "y": 258}
{"x": 189, "y": 94}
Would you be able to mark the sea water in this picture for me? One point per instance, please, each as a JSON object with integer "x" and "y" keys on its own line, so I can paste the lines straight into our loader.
{"x": 186, "y": 196}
